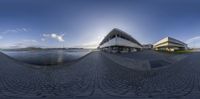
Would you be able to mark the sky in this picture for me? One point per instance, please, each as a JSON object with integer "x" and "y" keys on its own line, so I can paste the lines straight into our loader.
{"x": 84, "y": 23}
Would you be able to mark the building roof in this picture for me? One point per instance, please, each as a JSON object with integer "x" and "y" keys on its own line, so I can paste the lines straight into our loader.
{"x": 119, "y": 32}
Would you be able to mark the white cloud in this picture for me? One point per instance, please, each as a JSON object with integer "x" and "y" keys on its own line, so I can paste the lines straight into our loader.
{"x": 55, "y": 36}
{"x": 43, "y": 39}
{"x": 1, "y": 37}
{"x": 24, "y": 29}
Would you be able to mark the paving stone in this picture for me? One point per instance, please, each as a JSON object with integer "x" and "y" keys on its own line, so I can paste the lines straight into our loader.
{"x": 96, "y": 76}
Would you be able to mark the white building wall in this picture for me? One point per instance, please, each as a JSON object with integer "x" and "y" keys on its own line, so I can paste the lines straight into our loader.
{"x": 171, "y": 44}
{"x": 161, "y": 41}
{"x": 166, "y": 40}
{"x": 117, "y": 41}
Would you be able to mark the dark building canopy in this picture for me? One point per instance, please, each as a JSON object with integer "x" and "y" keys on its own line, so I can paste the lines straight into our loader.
{"x": 119, "y": 41}
{"x": 117, "y": 32}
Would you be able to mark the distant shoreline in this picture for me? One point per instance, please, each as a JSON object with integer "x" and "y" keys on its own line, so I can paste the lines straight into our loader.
{"x": 36, "y": 49}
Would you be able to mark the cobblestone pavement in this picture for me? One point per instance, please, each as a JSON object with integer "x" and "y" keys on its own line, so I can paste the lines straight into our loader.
{"x": 96, "y": 76}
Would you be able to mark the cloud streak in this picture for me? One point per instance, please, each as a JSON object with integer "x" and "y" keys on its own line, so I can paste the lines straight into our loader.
{"x": 191, "y": 40}
{"x": 54, "y": 36}
{"x": 24, "y": 43}
{"x": 194, "y": 42}
{"x": 29, "y": 41}
{"x": 15, "y": 30}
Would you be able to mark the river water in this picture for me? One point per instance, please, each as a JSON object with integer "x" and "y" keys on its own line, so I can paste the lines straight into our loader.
{"x": 47, "y": 57}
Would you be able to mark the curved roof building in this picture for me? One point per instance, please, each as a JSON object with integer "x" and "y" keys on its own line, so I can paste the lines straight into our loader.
{"x": 119, "y": 41}
{"x": 170, "y": 44}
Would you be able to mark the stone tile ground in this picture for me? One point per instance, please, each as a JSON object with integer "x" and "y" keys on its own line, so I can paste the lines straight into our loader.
{"x": 96, "y": 76}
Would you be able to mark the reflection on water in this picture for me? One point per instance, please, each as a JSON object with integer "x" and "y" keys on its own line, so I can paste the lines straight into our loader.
{"x": 47, "y": 57}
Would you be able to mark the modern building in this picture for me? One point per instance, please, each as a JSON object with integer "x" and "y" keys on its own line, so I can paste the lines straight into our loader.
{"x": 170, "y": 44}
{"x": 147, "y": 46}
{"x": 118, "y": 41}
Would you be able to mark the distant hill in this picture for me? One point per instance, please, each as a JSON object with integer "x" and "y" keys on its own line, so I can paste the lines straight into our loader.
{"x": 23, "y": 49}
{"x": 38, "y": 48}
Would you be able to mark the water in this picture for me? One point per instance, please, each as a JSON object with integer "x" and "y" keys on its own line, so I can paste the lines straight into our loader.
{"x": 47, "y": 57}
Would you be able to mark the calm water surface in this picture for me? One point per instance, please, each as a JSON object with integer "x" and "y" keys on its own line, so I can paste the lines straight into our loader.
{"x": 47, "y": 57}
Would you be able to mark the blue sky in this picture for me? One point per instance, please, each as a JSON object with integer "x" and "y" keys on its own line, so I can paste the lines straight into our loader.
{"x": 84, "y": 23}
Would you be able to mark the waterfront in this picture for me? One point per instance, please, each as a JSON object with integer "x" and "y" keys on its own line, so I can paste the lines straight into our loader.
{"x": 47, "y": 57}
